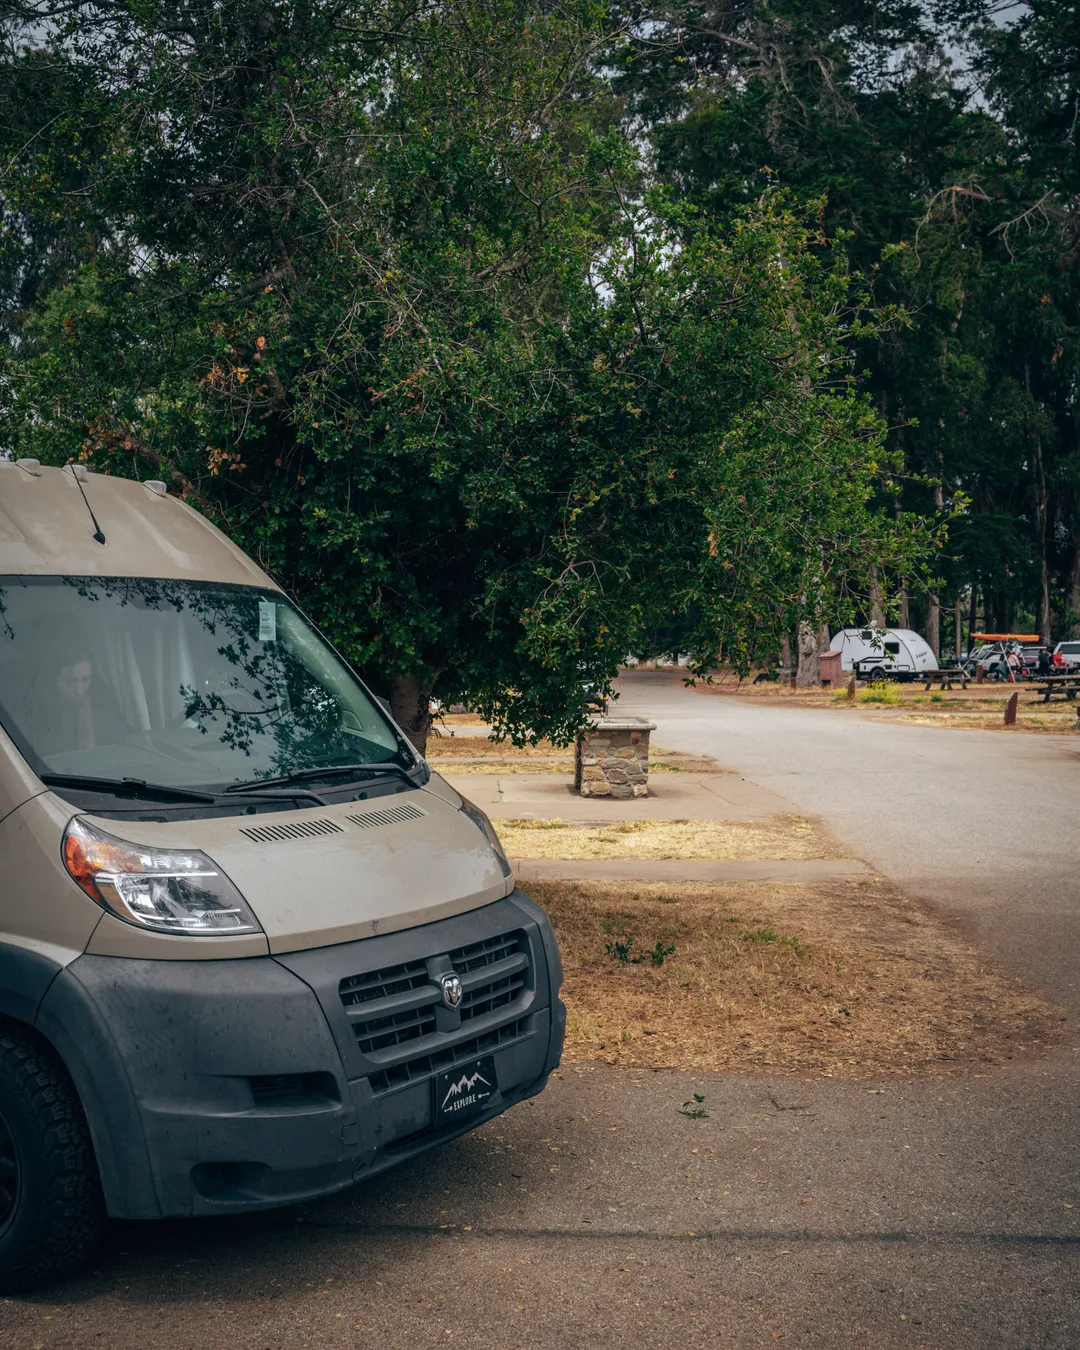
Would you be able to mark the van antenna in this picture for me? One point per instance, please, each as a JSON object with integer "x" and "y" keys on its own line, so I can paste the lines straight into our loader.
{"x": 98, "y": 535}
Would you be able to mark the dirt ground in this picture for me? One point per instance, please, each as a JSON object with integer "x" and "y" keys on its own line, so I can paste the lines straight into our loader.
{"x": 845, "y": 979}
{"x": 977, "y": 708}
{"x": 1036, "y": 719}
{"x": 458, "y": 747}
{"x": 449, "y": 720}
{"x": 478, "y": 754}
{"x": 776, "y": 837}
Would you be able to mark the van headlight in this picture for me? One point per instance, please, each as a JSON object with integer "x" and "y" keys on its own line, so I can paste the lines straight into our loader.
{"x": 480, "y": 820}
{"x": 168, "y": 890}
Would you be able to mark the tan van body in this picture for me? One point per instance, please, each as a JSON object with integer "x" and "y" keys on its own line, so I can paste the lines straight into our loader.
{"x": 387, "y": 950}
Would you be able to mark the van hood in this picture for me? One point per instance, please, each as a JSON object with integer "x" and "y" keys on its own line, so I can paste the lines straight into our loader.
{"x": 332, "y": 874}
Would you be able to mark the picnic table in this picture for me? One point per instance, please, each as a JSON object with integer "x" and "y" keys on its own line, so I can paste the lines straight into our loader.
{"x": 945, "y": 676}
{"x": 1050, "y": 685}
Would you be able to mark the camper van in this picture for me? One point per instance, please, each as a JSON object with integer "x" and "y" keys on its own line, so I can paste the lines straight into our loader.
{"x": 883, "y": 653}
{"x": 252, "y": 950}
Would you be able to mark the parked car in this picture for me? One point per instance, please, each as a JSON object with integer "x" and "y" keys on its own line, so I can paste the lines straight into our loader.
{"x": 883, "y": 653}
{"x": 253, "y": 950}
{"x": 1029, "y": 657}
{"x": 1004, "y": 655}
{"x": 991, "y": 658}
{"x": 1067, "y": 656}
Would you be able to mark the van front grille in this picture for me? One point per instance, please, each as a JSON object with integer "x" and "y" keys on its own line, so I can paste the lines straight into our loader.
{"x": 382, "y": 983}
{"x": 401, "y": 1020}
{"x": 484, "y": 953}
{"x": 379, "y": 1033}
{"x": 488, "y": 997}
{"x": 423, "y": 1066}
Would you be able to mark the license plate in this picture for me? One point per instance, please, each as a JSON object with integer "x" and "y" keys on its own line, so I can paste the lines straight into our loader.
{"x": 464, "y": 1091}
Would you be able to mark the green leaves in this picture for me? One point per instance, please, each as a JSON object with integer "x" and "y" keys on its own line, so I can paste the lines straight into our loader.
{"x": 384, "y": 293}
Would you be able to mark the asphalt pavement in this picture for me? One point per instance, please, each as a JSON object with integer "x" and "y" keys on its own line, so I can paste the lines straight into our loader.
{"x": 805, "y": 1213}
{"x": 984, "y": 825}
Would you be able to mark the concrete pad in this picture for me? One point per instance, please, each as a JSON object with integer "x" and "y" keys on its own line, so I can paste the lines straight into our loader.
{"x": 677, "y": 869}
{"x": 672, "y": 796}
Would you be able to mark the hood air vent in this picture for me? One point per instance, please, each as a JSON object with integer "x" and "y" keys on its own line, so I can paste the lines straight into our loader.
{"x": 295, "y": 829}
{"x": 387, "y": 815}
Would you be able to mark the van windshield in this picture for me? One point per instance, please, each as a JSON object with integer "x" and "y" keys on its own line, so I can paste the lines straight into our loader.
{"x": 189, "y": 684}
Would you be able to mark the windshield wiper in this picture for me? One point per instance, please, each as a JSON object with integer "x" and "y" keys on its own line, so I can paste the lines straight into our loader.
{"x": 138, "y": 787}
{"x": 128, "y": 787}
{"x": 303, "y": 775}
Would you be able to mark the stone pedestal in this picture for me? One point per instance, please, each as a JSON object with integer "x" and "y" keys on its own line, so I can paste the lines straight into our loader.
{"x": 611, "y": 757}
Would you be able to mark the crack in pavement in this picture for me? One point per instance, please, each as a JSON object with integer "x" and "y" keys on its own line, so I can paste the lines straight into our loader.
{"x": 806, "y": 1236}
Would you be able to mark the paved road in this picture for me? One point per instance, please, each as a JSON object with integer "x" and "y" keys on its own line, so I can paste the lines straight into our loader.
{"x": 811, "y": 1214}
{"x": 984, "y": 825}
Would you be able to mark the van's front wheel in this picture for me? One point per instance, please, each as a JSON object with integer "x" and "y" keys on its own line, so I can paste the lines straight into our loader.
{"x": 51, "y": 1211}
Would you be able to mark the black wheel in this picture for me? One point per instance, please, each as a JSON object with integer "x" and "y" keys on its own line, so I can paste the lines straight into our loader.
{"x": 51, "y": 1210}
{"x": 877, "y": 674}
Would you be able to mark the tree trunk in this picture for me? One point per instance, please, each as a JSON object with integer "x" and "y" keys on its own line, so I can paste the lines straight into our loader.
{"x": 905, "y": 609}
{"x": 973, "y": 626}
{"x": 410, "y": 703}
{"x": 1042, "y": 502}
{"x": 958, "y": 620}
{"x": 993, "y": 618}
{"x": 809, "y": 672}
{"x": 933, "y": 625}
{"x": 1044, "y": 604}
{"x": 785, "y": 658}
{"x": 877, "y": 609}
{"x": 1073, "y": 617}
{"x": 933, "y": 616}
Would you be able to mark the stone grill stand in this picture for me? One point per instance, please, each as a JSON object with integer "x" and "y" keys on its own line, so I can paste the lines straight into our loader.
{"x": 611, "y": 758}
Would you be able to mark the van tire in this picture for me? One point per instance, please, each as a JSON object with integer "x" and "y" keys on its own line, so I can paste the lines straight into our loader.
{"x": 51, "y": 1209}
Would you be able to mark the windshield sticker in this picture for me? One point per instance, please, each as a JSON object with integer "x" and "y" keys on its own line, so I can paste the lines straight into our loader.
{"x": 267, "y": 621}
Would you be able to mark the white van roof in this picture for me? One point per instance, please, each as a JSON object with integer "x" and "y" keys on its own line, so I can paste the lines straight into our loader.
{"x": 46, "y": 529}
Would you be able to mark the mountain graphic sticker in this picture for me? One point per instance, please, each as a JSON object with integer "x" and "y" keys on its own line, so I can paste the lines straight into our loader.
{"x": 465, "y": 1083}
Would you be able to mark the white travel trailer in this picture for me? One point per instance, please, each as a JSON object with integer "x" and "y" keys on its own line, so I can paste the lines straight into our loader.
{"x": 883, "y": 653}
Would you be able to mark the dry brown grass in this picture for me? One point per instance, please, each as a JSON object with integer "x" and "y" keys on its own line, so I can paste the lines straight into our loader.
{"x": 466, "y": 719}
{"x": 562, "y": 766}
{"x": 677, "y": 761}
{"x": 478, "y": 754}
{"x": 955, "y": 700}
{"x": 460, "y": 746}
{"x": 979, "y": 707}
{"x": 726, "y": 684}
{"x": 777, "y": 837}
{"x": 454, "y": 767}
{"x": 1051, "y": 722}
{"x": 845, "y": 979}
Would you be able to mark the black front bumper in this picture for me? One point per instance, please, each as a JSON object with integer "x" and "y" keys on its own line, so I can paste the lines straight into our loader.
{"x": 218, "y": 1087}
